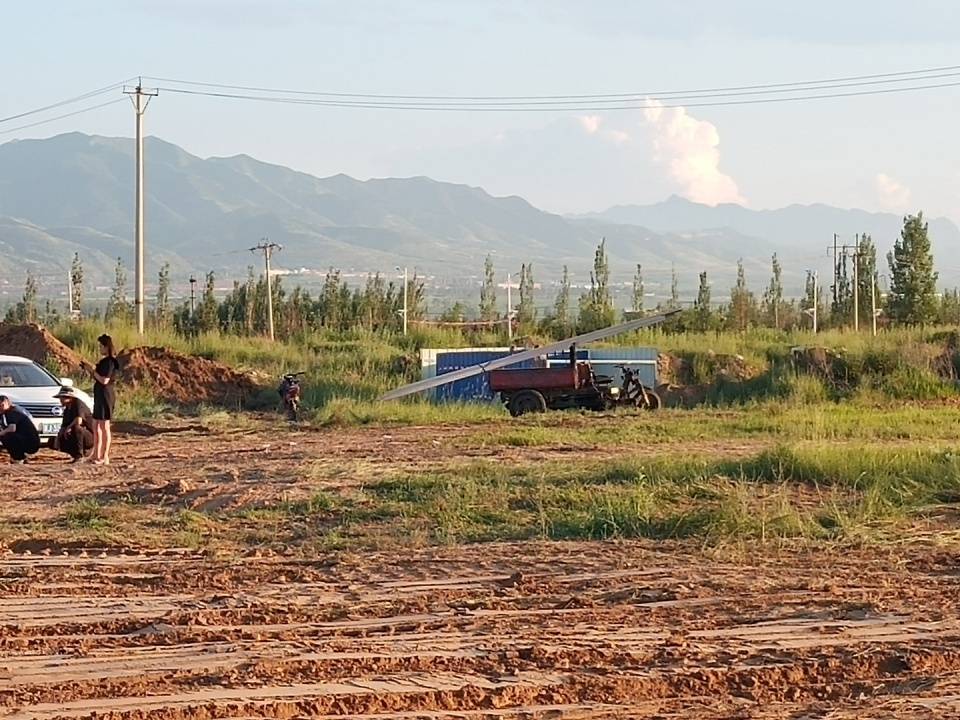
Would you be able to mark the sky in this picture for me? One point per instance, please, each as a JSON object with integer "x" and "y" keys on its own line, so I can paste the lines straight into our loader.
{"x": 893, "y": 152}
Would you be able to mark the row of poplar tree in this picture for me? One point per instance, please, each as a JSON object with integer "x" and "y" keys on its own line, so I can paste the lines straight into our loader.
{"x": 912, "y": 298}
{"x": 378, "y": 305}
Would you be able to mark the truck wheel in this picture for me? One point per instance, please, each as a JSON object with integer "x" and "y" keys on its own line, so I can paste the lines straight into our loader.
{"x": 527, "y": 401}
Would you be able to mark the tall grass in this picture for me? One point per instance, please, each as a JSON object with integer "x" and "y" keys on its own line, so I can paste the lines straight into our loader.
{"x": 347, "y": 371}
{"x": 785, "y": 493}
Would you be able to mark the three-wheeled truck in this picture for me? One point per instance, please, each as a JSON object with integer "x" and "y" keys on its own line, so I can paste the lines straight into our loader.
{"x": 574, "y": 385}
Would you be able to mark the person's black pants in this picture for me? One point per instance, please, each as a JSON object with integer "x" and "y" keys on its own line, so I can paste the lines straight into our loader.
{"x": 19, "y": 447}
{"x": 76, "y": 443}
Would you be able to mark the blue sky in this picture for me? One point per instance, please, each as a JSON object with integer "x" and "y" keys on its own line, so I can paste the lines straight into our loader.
{"x": 891, "y": 152}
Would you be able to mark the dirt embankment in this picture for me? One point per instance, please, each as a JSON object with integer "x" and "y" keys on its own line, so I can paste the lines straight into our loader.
{"x": 174, "y": 376}
{"x": 186, "y": 379}
{"x": 684, "y": 385}
{"x": 38, "y": 344}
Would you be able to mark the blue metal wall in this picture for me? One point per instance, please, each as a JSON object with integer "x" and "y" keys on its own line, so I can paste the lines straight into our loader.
{"x": 477, "y": 389}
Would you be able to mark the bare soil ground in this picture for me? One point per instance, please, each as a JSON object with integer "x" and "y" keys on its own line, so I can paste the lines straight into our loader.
{"x": 498, "y": 630}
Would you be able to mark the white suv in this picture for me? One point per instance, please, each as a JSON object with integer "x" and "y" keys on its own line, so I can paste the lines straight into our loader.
{"x": 32, "y": 388}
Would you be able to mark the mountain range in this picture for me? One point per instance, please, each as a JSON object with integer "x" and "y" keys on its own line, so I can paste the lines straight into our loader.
{"x": 74, "y": 193}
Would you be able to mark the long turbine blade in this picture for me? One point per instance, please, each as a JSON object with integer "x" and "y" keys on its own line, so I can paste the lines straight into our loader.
{"x": 473, "y": 370}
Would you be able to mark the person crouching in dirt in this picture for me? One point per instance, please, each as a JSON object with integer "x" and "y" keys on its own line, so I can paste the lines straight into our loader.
{"x": 76, "y": 431}
{"x": 18, "y": 434}
{"x": 104, "y": 374}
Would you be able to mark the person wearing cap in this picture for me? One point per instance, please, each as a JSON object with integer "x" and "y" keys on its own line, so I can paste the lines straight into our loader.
{"x": 76, "y": 432}
{"x": 18, "y": 434}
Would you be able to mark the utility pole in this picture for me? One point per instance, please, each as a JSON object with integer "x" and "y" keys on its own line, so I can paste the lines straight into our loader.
{"x": 844, "y": 251}
{"x": 873, "y": 303}
{"x": 836, "y": 271}
{"x": 856, "y": 284}
{"x": 193, "y": 297}
{"x": 405, "y": 301}
{"x": 140, "y": 98}
{"x": 509, "y": 308}
{"x": 70, "y": 293}
{"x": 267, "y": 248}
{"x": 816, "y": 299}
{"x": 812, "y": 311}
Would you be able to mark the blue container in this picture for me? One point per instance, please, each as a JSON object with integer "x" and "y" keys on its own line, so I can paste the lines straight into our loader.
{"x": 475, "y": 389}
{"x": 604, "y": 361}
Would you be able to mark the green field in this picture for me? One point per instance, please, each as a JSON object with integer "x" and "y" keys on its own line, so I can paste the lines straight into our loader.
{"x": 783, "y": 456}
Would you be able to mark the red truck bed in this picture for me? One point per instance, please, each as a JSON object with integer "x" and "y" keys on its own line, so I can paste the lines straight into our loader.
{"x": 555, "y": 378}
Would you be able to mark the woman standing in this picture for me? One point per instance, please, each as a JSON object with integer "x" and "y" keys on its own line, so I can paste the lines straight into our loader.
{"x": 104, "y": 398}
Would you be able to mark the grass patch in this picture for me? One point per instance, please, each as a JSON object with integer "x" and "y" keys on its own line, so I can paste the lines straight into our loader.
{"x": 87, "y": 514}
{"x": 819, "y": 493}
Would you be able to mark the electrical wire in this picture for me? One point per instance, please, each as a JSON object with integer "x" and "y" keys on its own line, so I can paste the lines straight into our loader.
{"x": 61, "y": 117}
{"x": 901, "y": 76}
{"x": 68, "y": 101}
{"x": 599, "y": 104}
{"x": 653, "y": 103}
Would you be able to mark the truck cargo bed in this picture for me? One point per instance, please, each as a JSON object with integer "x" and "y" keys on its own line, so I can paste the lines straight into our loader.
{"x": 555, "y": 378}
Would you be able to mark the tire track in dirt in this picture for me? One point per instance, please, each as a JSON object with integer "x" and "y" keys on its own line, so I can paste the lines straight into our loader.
{"x": 566, "y": 630}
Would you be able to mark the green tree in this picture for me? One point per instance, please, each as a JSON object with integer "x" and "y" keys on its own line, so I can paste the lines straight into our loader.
{"x": 702, "y": 312}
{"x": 163, "y": 297}
{"x": 866, "y": 278}
{"x": 773, "y": 295}
{"x": 948, "y": 313}
{"x": 913, "y": 296}
{"x": 811, "y": 298}
{"x": 526, "y": 310}
{"x": 596, "y": 306}
{"x": 454, "y": 314}
{"x": 118, "y": 307}
{"x": 841, "y": 308}
{"x": 674, "y": 288}
{"x": 30, "y": 291}
{"x": 76, "y": 285}
{"x": 742, "y": 302}
{"x": 208, "y": 313}
{"x": 561, "y": 306}
{"x": 488, "y": 292}
{"x": 638, "y": 289}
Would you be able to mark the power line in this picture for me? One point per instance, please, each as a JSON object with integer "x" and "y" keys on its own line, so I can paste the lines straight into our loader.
{"x": 600, "y": 104}
{"x": 901, "y": 76}
{"x": 68, "y": 101}
{"x": 654, "y": 104}
{"x": 60, "y": 117}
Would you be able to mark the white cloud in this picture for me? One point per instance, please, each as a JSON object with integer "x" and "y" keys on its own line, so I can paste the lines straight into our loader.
{"x": 690, "y": 149}
{"x": 893, "y": 195}
{"x": 589, "y": 123}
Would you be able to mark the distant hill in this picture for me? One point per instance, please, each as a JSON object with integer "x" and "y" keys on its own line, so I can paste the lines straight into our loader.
{"x": 74, "y": 193}
{"x": 792, "y": 231}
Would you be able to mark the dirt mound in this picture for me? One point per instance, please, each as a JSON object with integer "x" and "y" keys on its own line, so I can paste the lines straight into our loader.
{"x": 682, "y": 395}
{"x": 186, "y": 379}
{"x": 688, "y": 380}
{"x": 674, "y": 369}
{"x": 36, "y": 343}
{"x": 819, "y": 361}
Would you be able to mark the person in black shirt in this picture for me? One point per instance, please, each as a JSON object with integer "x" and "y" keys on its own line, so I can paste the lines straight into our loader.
{"x": 104, "y": 398}
{"x": 18, "y": 434}
{"x": 76, "y": 431}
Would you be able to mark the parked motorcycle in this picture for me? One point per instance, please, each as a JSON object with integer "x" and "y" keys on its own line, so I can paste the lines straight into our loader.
{"x": 289, "y": 391}
{"x": 633, "y": 392}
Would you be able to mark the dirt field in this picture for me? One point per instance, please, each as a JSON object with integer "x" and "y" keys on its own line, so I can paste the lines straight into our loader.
{"x": 134, "y": 629}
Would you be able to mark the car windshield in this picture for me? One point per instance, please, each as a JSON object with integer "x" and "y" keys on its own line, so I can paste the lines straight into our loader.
{"x": 24, "y": 375}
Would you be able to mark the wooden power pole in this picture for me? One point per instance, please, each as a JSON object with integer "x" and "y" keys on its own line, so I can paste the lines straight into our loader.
{"x": 267, "y": 248}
